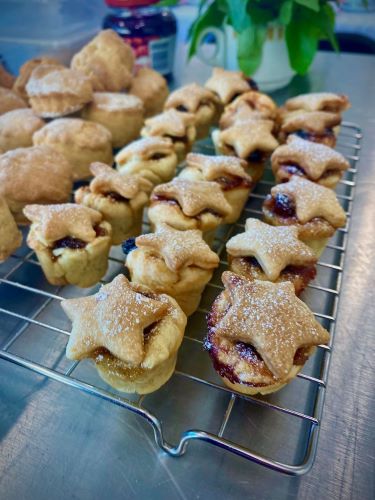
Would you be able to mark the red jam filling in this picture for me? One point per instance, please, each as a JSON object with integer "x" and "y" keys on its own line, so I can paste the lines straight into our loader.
{"x": 283, "y": 205}
{"x": 76, "y": 243}
{"x": 232, "y": 182}
{"x": 112, "y": 195}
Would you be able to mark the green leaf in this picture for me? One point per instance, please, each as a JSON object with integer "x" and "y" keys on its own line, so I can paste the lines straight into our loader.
{"x": 212, "y": 16}
{"x": 286, "y": 10}
{"x": 167, "y": 3}
{"x": 327, "y": 25}
{"x": 237, "y": 15}
{"x": 262, "y": 14}
{"x": 310, "y": 4}
{"x": 250, "y": 47}
{"x": 302, "y": 40}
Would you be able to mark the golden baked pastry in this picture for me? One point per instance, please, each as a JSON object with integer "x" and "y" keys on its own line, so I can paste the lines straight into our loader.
{"x": 17, "y": 128}
{"x": 228, "y": 172}
{"x": 34, "y": 175}
{"x": 313, "y": 208}
{"x": 153, "y": 158}
{"x": 107, "y": 60}
{"x": 260, "y": 334}
{"x": 9, "y": 100}
{"x": 250, "y": 140}
{"x": 25, "y": 72}
{"x": 55, "y": 91}
{"x": 250, "y": 105}
{"x": 82, "y": 142}
{"x": 152, "y": 88}
{"x": 314, "y": 126}
{"x": 199, "y": 101}
{"x": 72, "y": 243}
{"x": 316, "y": 162}
{"x": 227, "y": 84}
{"x": 6, "y": 79}
{"x": 178, "y": 263}
{"x": 121, "y": 114}
{"x": 184, "y": 204}
{"x": 119, "y": 198}
{"x": 10, "y": 237}
{"x": 175, "y": 125}
{"x": 272, "y": 253}
{"x": 319, "y": 101}
{"x": 131, "y": 333}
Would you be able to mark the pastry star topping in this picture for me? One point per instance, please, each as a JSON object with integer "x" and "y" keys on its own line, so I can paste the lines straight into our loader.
{"x": 191, "y": 97}
{"x": 271, "y": 318}
{"x": 113, "y": 319}
{"x": 227, "y": 84}
{"x": 312, "y": 200}
{"x": 248, "y": 136}
{"x": 170, "y": 123}
{"x": 312, "y": 121}
{"x": 314, "y": 158}
{"x": 213, "y": 167}
{"x": 195, "y": 197}
{"x": 274, "y": 247}
{"x": 319, "y": 101}
{"x": 58, "y": 221}
{"x": 179, "y": 248}
{"x": 145, "y": 148}
{"x": 107, "y": 180}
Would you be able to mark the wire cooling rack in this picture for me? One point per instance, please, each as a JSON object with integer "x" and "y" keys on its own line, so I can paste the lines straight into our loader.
{"x": 279, "y": 431}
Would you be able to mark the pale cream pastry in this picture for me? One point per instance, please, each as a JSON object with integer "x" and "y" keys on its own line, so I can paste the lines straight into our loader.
{"x": 131, "y": 333}
{"x": 228, "y": 172}
{"x": 25, "y": 72}
{"x": 55, "y": 91}
{"x": 260, "y": 334}
{"x": 195, "y": 99}
{"x": 119, "y": 198}
{"x": 17, "y": 128}
{"x": 107, "y": 61}
{"x": 313, "y": 161}
{"x": 121, "y": 114}
{"x": 10, "y": 236}
{"x": 312, "y": 208}
{"x": 250, "y": 140}
{"x": 314, "y": 126}
{"x": 82, "y": 142}
{"x": 152, "y": 88}
{"x": 178, "y": 263}
{"x": 272, "y": 253}
{"x": 174, "y": 125}
{"x": 34, "y": 175}
{"x": 153, "y": 158}
{"x": 184, "y": 204}
{"x": 228, "y": 84}
{"x": 9, "y": 100}
{"x": 252, "y": 104}
{"x": 72, "y": 243}
{"x": 319, "y": 101}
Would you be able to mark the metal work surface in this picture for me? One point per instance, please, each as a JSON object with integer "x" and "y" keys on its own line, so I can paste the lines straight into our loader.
{"x": 58, "y": 442}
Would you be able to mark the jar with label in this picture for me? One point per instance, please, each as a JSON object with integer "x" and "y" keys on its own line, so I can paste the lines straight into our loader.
{"x": 150, "y": 30}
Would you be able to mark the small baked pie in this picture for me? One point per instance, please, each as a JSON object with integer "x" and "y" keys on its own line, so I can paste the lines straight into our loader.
{"x": 152, "y": 88}
{"x": 313, "y": 208}
{"x": 316, "y": 162}
{"x": 314, "y": 126}
{"x": 250, "y": 140}
{"x": 178, "y": 263}
{"x": 25, "y": 72}
{"x": 265, "y": 252}
{"x": 319, "y": 101}
{"x": 107, "y": 61}
{"x": 250, "y": 105}
{"x": 9, "y": 100}
{"x": 80, "y": 141}
{"x": 131, "y": 333}
{"x": 228, "y": 84}
{"x": 121, "y": 114}
{"x": 119, "y": 198}
{"x": 175, "y": 125}
{"x": 199, "y": 101}
{"x": 153, "y": 158}
{"x": 260, "y": 334}
{"x": 184, "y": 204}
{"x": 55, "y": 91}
{"x": 17, "y": 128}
{"x": 11, "y": 237}
{"x": 228, "y": 172}
{"x": 72, "y": 243}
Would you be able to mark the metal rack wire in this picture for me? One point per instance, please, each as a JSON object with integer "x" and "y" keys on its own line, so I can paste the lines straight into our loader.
{"x": 27, "y": 308}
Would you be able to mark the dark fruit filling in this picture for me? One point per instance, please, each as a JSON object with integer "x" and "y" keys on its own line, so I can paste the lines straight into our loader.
{"x": 182, "y": 108}
{"x": 147, "y": 332}
{"x": 231, "y": 182}
{"x": 99, "y": 231}
{"x": 115, "y": 196}
{"x": 128, "y": 246}
{"x": 157, "y": 156}
{"x": 253, "y": 84}
{"x": 313, "y": 137}
{"x": 294, "y": 170}
{"x": 283, "y": 205}
{"x": 174, "y": 138}
{"x": 256, "y": 156}
{"x": 69, "y": 242}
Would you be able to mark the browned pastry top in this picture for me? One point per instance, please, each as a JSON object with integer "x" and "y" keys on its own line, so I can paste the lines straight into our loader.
{"x": 213, "y": 167}
{"x": 171, "y": 123}
{"x": 319, "y": 101}
{"x": 107, "y": 180}
{"x": 313, "y": 121}
{"x": 227, "y": 84}
{"x": 191, "y": 97}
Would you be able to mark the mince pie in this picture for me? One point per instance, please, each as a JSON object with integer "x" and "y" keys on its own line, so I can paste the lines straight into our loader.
{"x": 25, "y": 72}
{"x": 17, "y": 128}
{"x": 319, "y": 101}
{"x": 250, "y": 105}
{"x": 228, "y": 84}
{"x": 314, "y": 126}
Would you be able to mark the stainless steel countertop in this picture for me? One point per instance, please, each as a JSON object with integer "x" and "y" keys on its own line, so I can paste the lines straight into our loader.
{"x": 59, "y": 443}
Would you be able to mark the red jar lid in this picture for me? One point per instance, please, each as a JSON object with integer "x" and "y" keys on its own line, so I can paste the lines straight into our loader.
{"x": 130, "y": 4}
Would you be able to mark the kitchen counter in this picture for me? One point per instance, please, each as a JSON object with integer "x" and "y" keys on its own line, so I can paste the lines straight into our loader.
{"x": 59, "y": 443}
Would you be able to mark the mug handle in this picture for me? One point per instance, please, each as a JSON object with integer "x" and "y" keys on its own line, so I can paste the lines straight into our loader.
{"x": 218, "y": 58}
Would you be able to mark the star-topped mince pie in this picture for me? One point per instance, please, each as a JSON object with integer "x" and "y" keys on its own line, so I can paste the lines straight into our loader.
{"x": 227, "y": 84}
{"x": 175, "y": 125}
{"x": 119, "y": 198}
{"x": 184, "y": 204}
{"x": 250, "y": 105}
{"x": 260, "y": 334}
{"x": 179, "y": 263}
{"x": 198, "y": 100}
{"x": 71, "y": 241}
{"x": 272, "y": 253}
{"x": 314, "y": 209}
{"x": 153, "y": 158}
{"x": 314, "y": 126}
{"x": 319, "y": 101}
{"x": 316, "y": 162}
{"x": 131, "y": 333}
{"x": 228, "y": 171}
